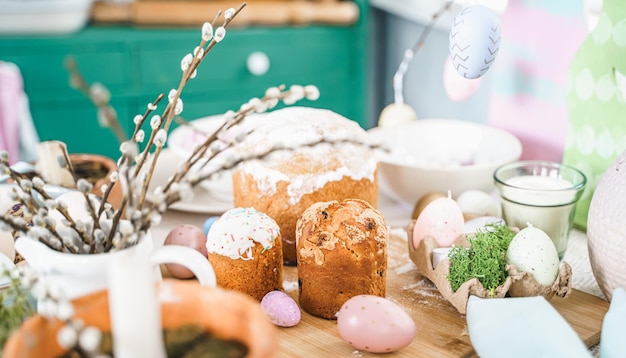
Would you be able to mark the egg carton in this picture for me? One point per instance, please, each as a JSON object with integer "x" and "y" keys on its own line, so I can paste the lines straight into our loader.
{"x": 517, "y": 284}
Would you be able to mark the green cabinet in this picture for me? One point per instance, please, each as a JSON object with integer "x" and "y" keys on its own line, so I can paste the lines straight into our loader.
{"x": 137, "y": 64}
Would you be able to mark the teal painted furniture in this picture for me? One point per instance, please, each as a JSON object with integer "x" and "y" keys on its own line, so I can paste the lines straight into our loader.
{"x": 137, "y": 64}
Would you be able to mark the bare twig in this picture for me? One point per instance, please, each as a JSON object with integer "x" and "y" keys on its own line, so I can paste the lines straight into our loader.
{"x": 398, "y": 77}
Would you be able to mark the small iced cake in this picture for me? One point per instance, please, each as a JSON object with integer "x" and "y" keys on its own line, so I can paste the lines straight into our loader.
{"x": 342, "y": 253}
{"x": 245, "y": 249}
{"x": 288, "y": 181}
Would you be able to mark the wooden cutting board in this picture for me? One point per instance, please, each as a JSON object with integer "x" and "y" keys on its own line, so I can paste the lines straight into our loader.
{"x": 440, "y": 328}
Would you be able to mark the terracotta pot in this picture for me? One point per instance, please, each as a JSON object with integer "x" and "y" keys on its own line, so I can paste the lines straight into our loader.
{"x": 228, "y": 315}
{"x": 97, "y": 170}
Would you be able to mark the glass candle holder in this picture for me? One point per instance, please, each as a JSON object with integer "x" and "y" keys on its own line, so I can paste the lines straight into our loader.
{"x": 540, "y": 193}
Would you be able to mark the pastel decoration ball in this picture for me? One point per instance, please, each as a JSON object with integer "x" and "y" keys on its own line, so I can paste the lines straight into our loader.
{"x": 474, "y": 40}
{"x": 281, "y": 309}
{"x": 375, "y": 324}
{"x": 185, "y": 235}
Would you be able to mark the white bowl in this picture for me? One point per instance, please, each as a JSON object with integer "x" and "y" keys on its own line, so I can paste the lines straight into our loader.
{"x": 441, "y": 155}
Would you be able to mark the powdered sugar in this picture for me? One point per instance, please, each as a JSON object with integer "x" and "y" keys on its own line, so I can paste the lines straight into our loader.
{"x": 290, "y": 285}
{"x": 406, "y": 268}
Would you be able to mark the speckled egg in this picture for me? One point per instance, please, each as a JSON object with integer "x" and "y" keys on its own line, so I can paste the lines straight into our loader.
{"x": 375, "y": 324}
{"x": 532, "y": 250}
{"x": 185, "y": 235}
{"x": 281, "y": 309}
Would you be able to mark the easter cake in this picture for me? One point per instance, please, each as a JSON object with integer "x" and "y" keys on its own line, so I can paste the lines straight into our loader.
{"x": 245, "y": 249}
{"x": 342, "y": 252}
{"x": 289, "y": 181}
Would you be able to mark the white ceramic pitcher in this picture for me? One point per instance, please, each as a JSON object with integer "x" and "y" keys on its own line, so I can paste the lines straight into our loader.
{"x": 77, "y": 275}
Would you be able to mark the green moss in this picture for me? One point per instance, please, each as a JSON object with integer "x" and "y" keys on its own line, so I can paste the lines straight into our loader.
{"x": 485, "y": 259}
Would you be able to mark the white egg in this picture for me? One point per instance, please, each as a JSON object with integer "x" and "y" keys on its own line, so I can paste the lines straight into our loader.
{"x": 474, "y": 40}
{"x": 479, "y": 203}
{"x": 532, "y": 250}
{"x": 473, "y": 225}
{"x": 76, "y": 206}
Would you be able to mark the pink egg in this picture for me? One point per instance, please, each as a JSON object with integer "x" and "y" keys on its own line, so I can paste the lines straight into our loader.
{"x": 375, "y": 324}
{"x": 442, "y": 219}
{"x": 185, "y": 235}
{"x": 458, "y": 88}
{"x": 281, "y": 309}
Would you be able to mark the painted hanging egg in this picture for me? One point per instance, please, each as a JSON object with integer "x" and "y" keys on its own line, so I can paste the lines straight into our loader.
{"x": 458, "y": 88}
{"x": 474, "y": 40}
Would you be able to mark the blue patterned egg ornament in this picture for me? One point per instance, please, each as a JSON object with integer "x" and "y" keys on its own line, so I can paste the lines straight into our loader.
{"x": 474, "y": 40}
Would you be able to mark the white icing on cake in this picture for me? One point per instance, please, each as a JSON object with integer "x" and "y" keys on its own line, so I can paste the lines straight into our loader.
{"x": 295, "y": 127}
{"x": 235, "y": 233}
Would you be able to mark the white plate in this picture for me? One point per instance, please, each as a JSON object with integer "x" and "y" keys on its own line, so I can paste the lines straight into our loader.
{"x": 203, "y": 201}
{"x": 184, "y": 139}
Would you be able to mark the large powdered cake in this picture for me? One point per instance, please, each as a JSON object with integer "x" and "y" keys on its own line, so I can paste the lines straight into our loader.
{"x": 342, "y": 253}
{"x": 288, "y": 181}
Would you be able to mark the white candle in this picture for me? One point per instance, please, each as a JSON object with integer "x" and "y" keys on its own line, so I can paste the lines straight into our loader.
{"x": 439, "y": 254}
{"x": 545, "y": 202}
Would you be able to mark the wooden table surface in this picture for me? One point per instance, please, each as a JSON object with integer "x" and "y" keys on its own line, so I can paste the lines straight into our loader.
{"x": 440, "y": 328}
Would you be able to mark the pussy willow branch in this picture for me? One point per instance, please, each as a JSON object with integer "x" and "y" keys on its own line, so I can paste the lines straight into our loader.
{"x": 148, "y": 111}
{"x": 169, "y": 110}
{"x": 271, "y": 150}
{"x": 200, "y": 151}
{"x": 78, "y": 81}
{"x": 80, "y": 240}
{"x": 33, "y": 206}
